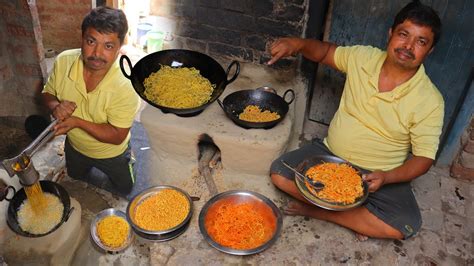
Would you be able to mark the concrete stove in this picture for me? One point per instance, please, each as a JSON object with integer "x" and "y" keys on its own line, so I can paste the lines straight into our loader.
{"x": 174, "y": 140}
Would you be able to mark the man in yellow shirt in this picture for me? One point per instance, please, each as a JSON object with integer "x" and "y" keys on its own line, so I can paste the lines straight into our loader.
{"x": 93, "y": 102}
{"x": 388, "y": 108}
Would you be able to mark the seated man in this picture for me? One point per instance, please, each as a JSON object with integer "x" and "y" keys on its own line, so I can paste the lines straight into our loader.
{"x": 388, "y": 108}
{"x": 93, "y": 102}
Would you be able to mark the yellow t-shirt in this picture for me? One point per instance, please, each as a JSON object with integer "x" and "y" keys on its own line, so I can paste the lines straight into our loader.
{"x": 113, "y": 101}
{"x": 376, "y": 130}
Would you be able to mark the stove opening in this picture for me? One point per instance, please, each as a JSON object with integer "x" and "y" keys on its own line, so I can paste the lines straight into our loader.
{"x": 209, "y": 158}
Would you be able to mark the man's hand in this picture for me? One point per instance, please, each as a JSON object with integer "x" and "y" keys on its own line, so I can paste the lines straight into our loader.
{"x": 63, "y": 126}
{"x": 409, "y": 170}
{"x": 284, "y": 47}
{"x": 312, "y": 49}
{"x": 375, "y": 180}
{"x": 64, "y": 110}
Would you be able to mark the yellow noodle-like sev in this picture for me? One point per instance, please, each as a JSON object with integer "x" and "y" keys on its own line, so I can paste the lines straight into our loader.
{"x": 253, "y": 113}
{"x": 40, "y": 222}
{"x": 178, "y": 87}
{"x": 162, "y": 211}
{"x": 342, "y": 183}
{"x": 113, "y": 231}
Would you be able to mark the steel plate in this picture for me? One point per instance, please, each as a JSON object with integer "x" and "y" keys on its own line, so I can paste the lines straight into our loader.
{"x": 243, "y": 196}
{"x": 163, "y": 235}
{"x": 318, "y": 159}
{"x": 93, "y": 230}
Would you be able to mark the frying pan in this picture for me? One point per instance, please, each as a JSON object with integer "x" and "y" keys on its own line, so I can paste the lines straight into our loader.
{"x": 264, "y": 97}
{"x": 20, "y": 196}
{"x": 207, "y": 66}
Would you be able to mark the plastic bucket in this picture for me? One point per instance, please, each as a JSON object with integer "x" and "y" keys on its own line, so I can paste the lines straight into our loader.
{"x": 142, "y": 30}
{"x": 155, "y": 41}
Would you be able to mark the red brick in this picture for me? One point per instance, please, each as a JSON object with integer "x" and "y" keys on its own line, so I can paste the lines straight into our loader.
{"x": 466, "y": 159}
{"x": 7, "y": 12}
{"x": 30, "y": 70}
{"x": 19, "y": 31}
{"x": 460, "y": 172}
{"x": 5, "y": 73}
{"x": 469, "y": 146}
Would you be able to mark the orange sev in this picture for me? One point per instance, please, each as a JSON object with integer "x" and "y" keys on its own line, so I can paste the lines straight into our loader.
{"x": 342, "y": 183}
{"x": 240, "y": 225}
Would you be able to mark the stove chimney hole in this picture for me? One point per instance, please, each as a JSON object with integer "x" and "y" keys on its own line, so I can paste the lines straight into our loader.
{"x": 209, "y": 157}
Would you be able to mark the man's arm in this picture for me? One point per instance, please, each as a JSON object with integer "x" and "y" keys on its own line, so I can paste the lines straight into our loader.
{"x": 102, "y": 132}
{"x": 60, "y": 109}
{"x": 314, "y": 50}
{"x": 411, "y": 169}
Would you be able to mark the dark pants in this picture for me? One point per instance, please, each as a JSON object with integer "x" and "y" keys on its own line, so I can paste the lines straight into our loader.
{"x": 394, "y": 204}
{"x": 118, "y": 169}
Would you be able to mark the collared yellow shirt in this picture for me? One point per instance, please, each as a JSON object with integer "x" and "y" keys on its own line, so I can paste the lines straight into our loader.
{"x": 113, "y": 101}
{"x": 376, "y": 130}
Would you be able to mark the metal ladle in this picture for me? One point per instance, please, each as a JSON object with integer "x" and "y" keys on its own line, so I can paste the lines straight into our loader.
{"x": 315, "y": 184}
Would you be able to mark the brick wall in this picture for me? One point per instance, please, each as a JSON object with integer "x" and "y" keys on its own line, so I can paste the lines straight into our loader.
{"x": 22, "y": 68}
{"x": 463, "y": 165}
{"x": 61, "y": 22}
{"x": 240, "y": 30}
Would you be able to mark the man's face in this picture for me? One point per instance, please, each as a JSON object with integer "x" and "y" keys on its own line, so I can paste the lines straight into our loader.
{"x": 409, "y": 44}
{"x": 99, "y": 51}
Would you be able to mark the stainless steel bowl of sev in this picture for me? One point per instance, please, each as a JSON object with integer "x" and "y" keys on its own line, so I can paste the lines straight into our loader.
{"x": 111, "y": 231}
{"x": 337, "y": 182}
{"x": 240, "y": 222}
{"x": 160, "y": 213}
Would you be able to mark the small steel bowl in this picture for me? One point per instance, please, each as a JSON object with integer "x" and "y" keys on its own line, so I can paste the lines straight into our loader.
{"x": 162, "y": 235}
{"x": 101, "y": 215}
{"x": 240, "y": 196}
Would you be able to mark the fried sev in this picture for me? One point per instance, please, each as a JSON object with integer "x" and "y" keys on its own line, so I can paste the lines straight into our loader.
{"x": 113, "y": 231}
{"x": 240, "y": 225}
{"x": 253, "y": 113}
{"x": 342, "y": 183}
{"x": 178, "y": 87}
{"x": 41, "y": 222}
{"x": 162, "y": 211}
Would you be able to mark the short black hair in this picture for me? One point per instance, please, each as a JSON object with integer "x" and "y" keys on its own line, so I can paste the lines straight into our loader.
{"x": 420, "y": 14}
{"x": 106, "y": 20}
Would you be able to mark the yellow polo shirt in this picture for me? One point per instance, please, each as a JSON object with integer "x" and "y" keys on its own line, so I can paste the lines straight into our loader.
{"x": 113, "y": 101}
{"x": 377, "y": 130}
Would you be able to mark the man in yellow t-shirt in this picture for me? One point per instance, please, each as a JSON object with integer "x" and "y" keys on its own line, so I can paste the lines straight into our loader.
{"x": 389, "y": 108}
{"x": 93, "y": 102}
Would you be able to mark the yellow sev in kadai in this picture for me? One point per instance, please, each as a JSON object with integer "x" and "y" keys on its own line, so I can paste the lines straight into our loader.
{"x": 162, "y": 211}
{"x": 113, "y": 231}
{"x": 253, "y": 113}
{"x": 178, "y": 87}
{"x": 342, "y": 183}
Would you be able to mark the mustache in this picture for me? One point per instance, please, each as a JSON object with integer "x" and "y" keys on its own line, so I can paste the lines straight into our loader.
{"x": 94, "y": 58}
{"x": 405, "y": 51}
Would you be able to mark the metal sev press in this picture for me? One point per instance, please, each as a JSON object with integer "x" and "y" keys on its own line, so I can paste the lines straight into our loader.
{"x": 21, "y": 165}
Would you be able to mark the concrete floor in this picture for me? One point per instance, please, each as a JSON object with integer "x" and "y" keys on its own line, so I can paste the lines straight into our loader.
{"x": 446, "y": 237}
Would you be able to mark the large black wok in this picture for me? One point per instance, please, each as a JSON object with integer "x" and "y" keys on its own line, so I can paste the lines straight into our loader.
{"x": 265, "y": 97}
{"x": 208, "y": 68}
{"x": 20, "y": 196}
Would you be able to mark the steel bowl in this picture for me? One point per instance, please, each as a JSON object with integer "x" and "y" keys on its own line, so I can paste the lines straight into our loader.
{"x": 162, "y": 235}
{"x": 322, "y": 203}
{"x": 101, "y": 215}
{"x": 244, "y": 196}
